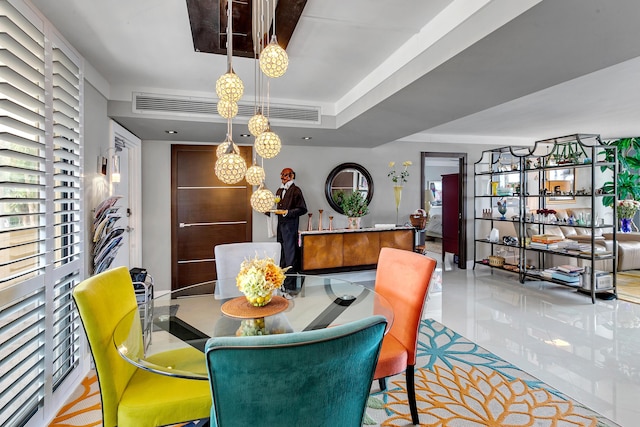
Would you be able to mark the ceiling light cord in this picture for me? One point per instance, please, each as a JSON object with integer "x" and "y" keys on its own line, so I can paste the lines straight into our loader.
{"x": 229, "y": 36}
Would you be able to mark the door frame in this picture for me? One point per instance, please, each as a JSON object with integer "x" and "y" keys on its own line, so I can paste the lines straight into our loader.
{"x": 462, "y": 179}
{"x": 133, "y": 145}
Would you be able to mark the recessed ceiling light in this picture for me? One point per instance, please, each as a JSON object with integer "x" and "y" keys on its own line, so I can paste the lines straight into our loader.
{"x": 245, "y": 135}
{"x": 306, "y": 138}
{"x": 171, "y": 131}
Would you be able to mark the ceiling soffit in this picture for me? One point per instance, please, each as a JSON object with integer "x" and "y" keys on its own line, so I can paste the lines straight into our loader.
{"x": 208, "y": 20}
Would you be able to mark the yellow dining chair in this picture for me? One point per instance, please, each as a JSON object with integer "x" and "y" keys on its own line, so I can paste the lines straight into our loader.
{"x": 132, "y": 397}
{"x": 402, "y": 278}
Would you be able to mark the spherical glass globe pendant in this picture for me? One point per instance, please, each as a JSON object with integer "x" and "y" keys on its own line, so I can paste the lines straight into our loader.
{"x": 258, "y": 124}
{"x": 274, "y": 59}
{"x": 227, "y": 109}
{"x": 255, "y": 175}
{"x": 268, "y": 144}
{"x": 229, "y": 87}
{"x": 262, "y": 200}
{"x": 230, "y": 168}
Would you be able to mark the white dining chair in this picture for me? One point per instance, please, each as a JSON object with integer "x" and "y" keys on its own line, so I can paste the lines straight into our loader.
{"x": 228, "y": 258}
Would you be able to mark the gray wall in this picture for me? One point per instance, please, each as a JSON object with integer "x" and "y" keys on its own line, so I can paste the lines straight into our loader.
{"x": 312, "y": 165}
{"x": 96, "y": 142}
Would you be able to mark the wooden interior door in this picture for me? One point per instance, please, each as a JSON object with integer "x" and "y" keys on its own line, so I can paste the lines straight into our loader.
{"x": 450, "y": 214}
{"x": 205, "y": 212}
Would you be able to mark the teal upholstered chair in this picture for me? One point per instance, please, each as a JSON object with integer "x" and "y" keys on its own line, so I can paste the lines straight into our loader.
{"x": 312, "y": 378}
{"x": 133, "y": 397}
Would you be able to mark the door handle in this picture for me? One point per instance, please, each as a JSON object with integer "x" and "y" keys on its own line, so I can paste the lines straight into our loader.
{"x": 183, "y": 225}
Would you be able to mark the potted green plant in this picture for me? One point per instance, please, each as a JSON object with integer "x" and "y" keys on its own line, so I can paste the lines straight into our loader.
{"x": 629, "y": 163}
{"x": 354, "y": 206}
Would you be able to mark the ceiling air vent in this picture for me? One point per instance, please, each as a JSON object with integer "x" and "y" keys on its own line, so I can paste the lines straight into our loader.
{"x": 189, "y": 106}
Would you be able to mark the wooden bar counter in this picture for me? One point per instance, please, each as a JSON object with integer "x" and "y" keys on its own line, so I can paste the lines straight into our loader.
{"x": 325, "y": 251}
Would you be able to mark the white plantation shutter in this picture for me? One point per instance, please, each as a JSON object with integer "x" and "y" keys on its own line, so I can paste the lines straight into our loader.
{"x": 67, "y": 211}
{"x": 41, "y": 248}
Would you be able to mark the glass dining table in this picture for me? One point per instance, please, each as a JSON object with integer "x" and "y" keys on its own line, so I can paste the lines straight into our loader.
{"x": 167, "y": 335}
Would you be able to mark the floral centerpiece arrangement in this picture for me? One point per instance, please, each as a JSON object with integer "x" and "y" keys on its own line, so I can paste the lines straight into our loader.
{"x": 258, "y": 278}
{"x": 546, "y": 212}
{"x": 627, "y": 208}
{"x": 398, "y": 180}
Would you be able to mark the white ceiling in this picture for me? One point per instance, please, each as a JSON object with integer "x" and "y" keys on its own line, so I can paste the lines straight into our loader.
{"x": 380, "y": 71}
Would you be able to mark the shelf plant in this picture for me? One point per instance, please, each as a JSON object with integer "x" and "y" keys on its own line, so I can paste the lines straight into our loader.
{"x": 628, "y": 165}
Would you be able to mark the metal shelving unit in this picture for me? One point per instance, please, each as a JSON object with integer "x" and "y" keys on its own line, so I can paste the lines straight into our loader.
{"x": 521, "y": 178}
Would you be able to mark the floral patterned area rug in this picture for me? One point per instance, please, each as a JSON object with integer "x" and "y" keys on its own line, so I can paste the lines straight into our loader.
{"x": 458, "y": 384}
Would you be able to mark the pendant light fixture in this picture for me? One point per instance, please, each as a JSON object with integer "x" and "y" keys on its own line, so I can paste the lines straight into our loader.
{"x": 273, "y": 58}
{"x": 258, "y": 123}
{"x": 262, "y": 200}
{"x": 229, "y": 87}
{"x": 255, "y": 175}
{"x": 268, "y": 144}
{"x": 230, "y": 167}
{"x": 227, "y": 109}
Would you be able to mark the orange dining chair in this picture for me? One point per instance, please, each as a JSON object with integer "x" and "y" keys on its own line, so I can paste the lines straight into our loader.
{"x": 402, "y": 278}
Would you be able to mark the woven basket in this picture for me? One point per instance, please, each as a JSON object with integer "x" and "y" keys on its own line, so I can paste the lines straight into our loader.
{"x": 418, "y": 221}
{"x": 496, "y": 261}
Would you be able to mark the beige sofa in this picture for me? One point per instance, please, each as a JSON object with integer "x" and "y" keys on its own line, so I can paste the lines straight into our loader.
{"x": 628, "y": 250}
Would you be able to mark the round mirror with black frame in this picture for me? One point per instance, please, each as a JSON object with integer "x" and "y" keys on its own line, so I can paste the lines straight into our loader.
{"x": 347, "y": 178}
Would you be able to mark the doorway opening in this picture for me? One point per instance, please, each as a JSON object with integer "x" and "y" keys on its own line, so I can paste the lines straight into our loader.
{"x": 443, "y": 177}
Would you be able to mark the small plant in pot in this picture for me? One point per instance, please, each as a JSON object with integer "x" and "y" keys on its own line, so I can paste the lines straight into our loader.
{"x": 354, "y": 205}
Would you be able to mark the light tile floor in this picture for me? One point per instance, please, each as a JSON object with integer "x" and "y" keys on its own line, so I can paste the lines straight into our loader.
{"x": 591, "y": 352}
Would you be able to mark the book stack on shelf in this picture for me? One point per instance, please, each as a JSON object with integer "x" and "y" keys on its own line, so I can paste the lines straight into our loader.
{"x": 545, "y": 241}
{"x": 107, "y": 238}
{"x": 575, "y": 248}
{"x": 567, "y": 273}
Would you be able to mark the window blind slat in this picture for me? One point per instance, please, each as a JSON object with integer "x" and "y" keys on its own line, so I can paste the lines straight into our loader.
{"x": 64, "y": 120}
{"x": 33, "y": 88}
{"x": 65, "y": 132}
{"x": 24, "y": 31}
{"x": 68, "y": 111}
{"x": 5, "y": 152}
{"x": 66, "y": 155}
{"x": 60, "y": 95}
{"x": 20, "y": 141}
{"x": 65, "y": 143}
{"x": 13, "y": 92}
{"x": 60, "y": 58}
{"x": 21, "y": 127}
{"x": 16, "y": 63}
